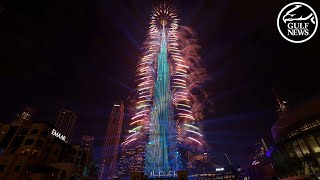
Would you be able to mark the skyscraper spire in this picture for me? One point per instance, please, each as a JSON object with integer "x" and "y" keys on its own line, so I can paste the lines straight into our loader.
{"x": 281, "y": 104}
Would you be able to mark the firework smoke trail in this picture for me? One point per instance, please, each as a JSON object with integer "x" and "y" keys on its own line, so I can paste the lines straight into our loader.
{"x": 167, "y": 108}
{"x": 192, "y": 98}
{"x": 189, "y": 46}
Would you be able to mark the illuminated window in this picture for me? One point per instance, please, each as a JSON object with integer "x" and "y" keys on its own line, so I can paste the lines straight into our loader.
{"x": 318, "y": 139}
{"x": 297, "y": 150}
{"x": 303, "y": 147}
{"x": 290, "y": 151}
{"x": 313, "y": 144}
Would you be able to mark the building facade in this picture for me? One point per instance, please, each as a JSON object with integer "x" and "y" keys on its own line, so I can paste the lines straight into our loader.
{"x": 65, "y": 123}
{"x": 29, "y": 150}
{"x": 130, "y": 160}
{"x": 198, "y": 163}
{"x": 297, "y": 137}
{"x": 111, "y": 142}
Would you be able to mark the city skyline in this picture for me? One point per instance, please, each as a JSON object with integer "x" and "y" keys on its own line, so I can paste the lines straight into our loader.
{"x": 87, "y": 69}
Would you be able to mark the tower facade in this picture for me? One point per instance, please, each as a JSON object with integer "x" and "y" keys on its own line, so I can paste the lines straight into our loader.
{"x": 65, "y": 123}
{"x": 164, "y": 117}
{"x": 111, "y": 142}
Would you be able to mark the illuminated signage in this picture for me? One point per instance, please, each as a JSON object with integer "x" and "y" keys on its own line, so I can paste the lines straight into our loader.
{"x": 58, "y": 135}
{"x": 25, "y": 115}
{"x": 162, "y": 174}
{"x": 219, "y": 169}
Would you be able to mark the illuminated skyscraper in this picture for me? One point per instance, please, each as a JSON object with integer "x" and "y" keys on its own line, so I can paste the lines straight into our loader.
{"x": 166, "y": 112}
{"x": 111, "y": 142}
{"x": 65, "y": 123}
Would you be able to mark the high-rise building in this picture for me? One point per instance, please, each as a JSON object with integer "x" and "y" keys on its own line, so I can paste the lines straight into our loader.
{"x": 111, "y": 142}
{"x": 166, "y": 116}
{"x": 65, "y": 123}
{"x": 87, "y": 142}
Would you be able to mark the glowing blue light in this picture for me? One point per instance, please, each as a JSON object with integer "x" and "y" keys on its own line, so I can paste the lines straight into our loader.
{"x": 161, "y": 148}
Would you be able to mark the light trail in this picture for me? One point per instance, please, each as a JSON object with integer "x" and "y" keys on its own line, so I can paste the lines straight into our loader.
{"x": 136, "y": 121}
{"x": 195, "y": 132}
{"x": 192, "y": 126}
{"x": 128, "y": 141}
{"x": 195, "y": 140}
{"x": 132, "y": 135}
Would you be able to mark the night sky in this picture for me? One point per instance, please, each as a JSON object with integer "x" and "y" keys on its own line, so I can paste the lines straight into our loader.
{"x": 81, "y": 54}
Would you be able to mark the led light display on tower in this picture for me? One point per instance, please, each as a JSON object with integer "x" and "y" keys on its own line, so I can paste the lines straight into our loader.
{"x": 166, "y": 110}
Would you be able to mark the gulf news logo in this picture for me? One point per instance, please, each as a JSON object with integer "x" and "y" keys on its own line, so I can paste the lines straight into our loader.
{"x": 297, "y": 22}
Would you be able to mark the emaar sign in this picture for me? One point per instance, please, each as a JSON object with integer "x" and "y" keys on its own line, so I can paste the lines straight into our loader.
{"x": 58, "y": 135}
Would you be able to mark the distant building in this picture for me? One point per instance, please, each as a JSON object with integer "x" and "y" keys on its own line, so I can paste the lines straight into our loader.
{"x": 198, "y": 163}
{"x": 30, "y": 150}
{"x": 65, "y": 123}
{"x": 87, "y": 142}
{"x": 111, "y": 142}
{"x": 297, "y": 137}
{"x": 219, "y": 173}
{"x": 131, "y": 159}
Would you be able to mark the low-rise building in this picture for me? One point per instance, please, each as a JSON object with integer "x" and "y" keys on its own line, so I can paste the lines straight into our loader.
{"x": 297, "y": 137}
{"x": 35, "y": 150}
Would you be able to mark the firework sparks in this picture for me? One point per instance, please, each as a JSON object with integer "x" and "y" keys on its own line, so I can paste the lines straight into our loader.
{"x": 167, "y": 74}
